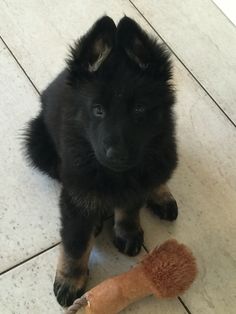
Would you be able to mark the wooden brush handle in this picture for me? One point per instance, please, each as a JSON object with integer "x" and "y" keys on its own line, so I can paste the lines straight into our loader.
{"x": 114, "y": 294}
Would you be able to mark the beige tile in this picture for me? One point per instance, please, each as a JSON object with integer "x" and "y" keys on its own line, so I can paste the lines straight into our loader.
{"x": 28, "y": 288}
{"x": 41, "y": 32}
{"x": 204, "y": 186}
{"x": 28, "y": 200}
{"x": 203, "y": 38}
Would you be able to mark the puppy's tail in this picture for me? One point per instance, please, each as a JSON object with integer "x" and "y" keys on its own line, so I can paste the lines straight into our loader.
{"x": 40, "y": 149}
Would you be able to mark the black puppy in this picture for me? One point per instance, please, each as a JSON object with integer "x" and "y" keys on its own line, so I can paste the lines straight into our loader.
{"x": 106, "y": 131}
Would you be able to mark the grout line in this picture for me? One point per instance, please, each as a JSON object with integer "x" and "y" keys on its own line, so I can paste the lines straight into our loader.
{"x": 12, "y": 54}
{"x": 186, "y": 68}
{"x": 29, "y": 259}
{"x": 145, "y": 248}
{"x": 184, "y": 305}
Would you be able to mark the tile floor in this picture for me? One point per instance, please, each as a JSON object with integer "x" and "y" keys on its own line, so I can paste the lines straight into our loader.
{"x": 34, "y": 40}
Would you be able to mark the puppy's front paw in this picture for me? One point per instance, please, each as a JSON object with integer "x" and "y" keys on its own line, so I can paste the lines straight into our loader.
{"x": 167, "y": 210}
{"x": 128, "y": 241}
{"x": 67, "y": 289}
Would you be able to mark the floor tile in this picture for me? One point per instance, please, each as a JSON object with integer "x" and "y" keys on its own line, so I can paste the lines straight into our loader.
{"x": 203, "y": 38}
{"x": 28, "y": 200}
{"x": 28, "y": 288}
{"x": 204, "y": 186}
{"x": 41, "y": 32}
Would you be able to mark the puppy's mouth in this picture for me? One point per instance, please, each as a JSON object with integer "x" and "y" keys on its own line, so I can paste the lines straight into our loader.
{"x": 117, "y": 166}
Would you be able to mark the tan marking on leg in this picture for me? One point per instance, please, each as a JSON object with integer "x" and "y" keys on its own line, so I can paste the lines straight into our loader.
{"x": 128, "y": 233}
{"x": 123, "y": 218}
{"x": 74, "y": 271}
{"x": 123, "y": 215}
{"x": 161, "y": 195}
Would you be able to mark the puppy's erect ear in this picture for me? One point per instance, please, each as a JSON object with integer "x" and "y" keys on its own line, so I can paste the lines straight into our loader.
{"x": 141, "y": 48}
{"x": 93, "y": 48}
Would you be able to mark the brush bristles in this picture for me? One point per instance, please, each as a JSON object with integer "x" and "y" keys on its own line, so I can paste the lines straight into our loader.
{"x": 171, "y": 269}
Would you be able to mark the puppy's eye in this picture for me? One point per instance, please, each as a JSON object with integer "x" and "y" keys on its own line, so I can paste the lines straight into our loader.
{"x": 139, "y": 109}
{"x": 98, "y": 111}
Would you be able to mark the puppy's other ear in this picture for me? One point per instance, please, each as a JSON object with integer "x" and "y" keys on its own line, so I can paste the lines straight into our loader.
{"x": 141, "y": 48}
{"x": 90, "y": 51}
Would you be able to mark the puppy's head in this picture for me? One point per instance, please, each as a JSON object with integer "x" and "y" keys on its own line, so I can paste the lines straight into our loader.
{"x": 121, "y": 82}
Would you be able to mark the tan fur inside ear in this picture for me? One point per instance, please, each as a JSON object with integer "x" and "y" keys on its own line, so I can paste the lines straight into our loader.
{"x": 137, "y": 54}
{"x": 101, "y": 52}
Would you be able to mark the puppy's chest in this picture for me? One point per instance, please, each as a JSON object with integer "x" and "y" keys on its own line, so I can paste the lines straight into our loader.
{"x": 106, "y": 193}
{"x": 105, "y": 203}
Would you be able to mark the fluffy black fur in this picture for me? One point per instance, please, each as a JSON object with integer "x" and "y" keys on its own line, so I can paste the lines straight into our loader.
{"x": 106, "y": 129}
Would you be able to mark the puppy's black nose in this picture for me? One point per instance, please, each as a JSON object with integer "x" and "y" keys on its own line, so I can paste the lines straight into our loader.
{"x": 116, "y": 155}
